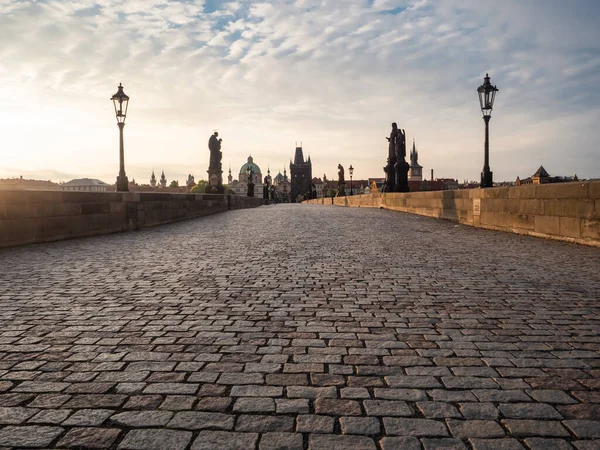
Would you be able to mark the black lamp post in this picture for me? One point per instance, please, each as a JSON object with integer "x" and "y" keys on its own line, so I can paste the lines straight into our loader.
{"x": 487, "y": 94}
{"x": 121, "y": 101}
{"x": 351, "y": 171}
{"x": 250, "y": 184}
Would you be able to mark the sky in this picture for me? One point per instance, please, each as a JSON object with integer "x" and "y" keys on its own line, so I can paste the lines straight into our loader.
{"x": 332, "y": 74}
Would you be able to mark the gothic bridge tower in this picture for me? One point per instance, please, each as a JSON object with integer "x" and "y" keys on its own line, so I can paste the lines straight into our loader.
{"x": 301, "y": 173}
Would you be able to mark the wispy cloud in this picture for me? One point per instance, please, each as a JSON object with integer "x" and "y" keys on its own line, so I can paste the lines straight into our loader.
{"x": 333, "y": 74}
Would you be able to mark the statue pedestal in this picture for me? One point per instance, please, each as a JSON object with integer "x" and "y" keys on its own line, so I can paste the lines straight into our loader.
{"x": 341, "y": 189}
{"x": 401, "y": 168}
{"x": 215, "y": 182}
{"x": 390, "y": 176}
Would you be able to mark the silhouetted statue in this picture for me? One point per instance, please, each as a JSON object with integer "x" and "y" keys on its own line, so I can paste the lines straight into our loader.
{"x": 215, "y": 172}
{"x": 401, "y": 167}
{"x": 214, "y": 145}
{"x": 401, "y": 145}
{"x": 266, "y": 187}
{"x": 389, "y": 169}
{"x": 341, "y": 181}
{"x": 393, "y": 142}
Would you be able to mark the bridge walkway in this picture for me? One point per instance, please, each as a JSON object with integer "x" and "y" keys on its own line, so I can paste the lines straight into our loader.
{"x": 301, "y": 327}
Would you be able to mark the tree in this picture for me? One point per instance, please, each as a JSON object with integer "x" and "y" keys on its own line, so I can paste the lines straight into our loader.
{"x": 174, "y": 183}
{"x": 200, "y": 188}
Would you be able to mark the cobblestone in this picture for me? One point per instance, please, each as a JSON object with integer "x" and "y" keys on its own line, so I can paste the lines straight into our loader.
{"x": 496, "y": 444}
{"x": 225, "y": 333}
{"x": 333, "y": 442}
{"x": 28, "y": 436}
{"x": 360, "y": 425}
{"x": 264, "y": 423}
{"x": 463, "y": 429}
{"x": 443, "y": 444}
{"x": 414, "y": 427}
{"x": 152, "y": 439}
{"x": 281, "y": 441}
{"x": 308, "y": 423}
{"x": 222, "y": 440}
{"x": 404, "y": 443}
{"x": 535, "y": 428}
{"x": 547, "y": 444}
{"x": 89, "y": 438}
{"x": 191, "y": 420}
{"x": 584, "y": 429}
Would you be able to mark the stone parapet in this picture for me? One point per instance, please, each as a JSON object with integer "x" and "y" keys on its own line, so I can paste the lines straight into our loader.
{"x": 28, "y": 217}
{"x": 564, "y": 211}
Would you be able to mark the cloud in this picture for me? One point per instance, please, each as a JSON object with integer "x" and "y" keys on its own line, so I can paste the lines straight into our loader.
{"x": 333, "y": 74}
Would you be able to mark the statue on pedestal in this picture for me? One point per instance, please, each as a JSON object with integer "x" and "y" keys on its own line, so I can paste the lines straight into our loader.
{"x": 401, "y": 167}
{"x": 215, "y": 172}
{"x": 390, "y": 174}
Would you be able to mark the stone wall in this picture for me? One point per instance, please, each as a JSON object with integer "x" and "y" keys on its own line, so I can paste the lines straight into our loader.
{"x": 28, "y": 217}
{"x": 564, "y": 211}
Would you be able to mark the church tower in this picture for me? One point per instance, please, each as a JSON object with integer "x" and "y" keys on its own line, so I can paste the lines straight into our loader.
{"x": 229, "y": 177}
{"x": 269, "y": 179}
{"x": 163, "y": 180}
{"x": 301, "y": 173}
{"x": 415, "y": 173}
{"x": 153, "y": 180}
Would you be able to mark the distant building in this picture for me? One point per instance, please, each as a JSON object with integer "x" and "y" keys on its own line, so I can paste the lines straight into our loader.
{"x": 301, "y": 173}
{"x": 190, "y": 183}
{"x": 86, "y": 185}
{"x": 163, "y": 180}
{"x": 318, "y": 187}
{"x": 153, "y": 180}
{"x": 283, "y": 187}
{"x": 21, "y": 184}
{"x": 240, "y": 186}
{"x": 438, "y": 184}
{"x": 415, "y": 172}
{"x": 541, "y": 176}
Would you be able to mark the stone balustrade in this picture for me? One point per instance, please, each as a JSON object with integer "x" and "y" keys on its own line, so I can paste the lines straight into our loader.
{"x": 28, "y": 217}
{"x": 563, "y": 211}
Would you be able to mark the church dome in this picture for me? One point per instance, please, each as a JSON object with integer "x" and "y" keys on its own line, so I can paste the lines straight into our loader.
{"x": 255, "y": 169}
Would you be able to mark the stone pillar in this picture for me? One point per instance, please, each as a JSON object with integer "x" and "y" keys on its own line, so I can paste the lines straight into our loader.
{"x": 215, "y": 180}
{"x": 401, "y": 168}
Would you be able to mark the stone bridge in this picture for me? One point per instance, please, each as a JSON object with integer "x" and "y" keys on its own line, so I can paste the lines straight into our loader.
{"x": 301, "y": 327}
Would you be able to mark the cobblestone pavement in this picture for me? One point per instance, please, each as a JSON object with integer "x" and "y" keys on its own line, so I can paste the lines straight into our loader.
{"x": 301, "y": 327}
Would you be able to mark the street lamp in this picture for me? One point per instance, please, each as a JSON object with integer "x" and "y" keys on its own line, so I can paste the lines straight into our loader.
{"x": 351, "y": 171}
{"x": 121, "y": 101}
{"x": 250, "y": 184}
{"x": 487, "y": 94}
